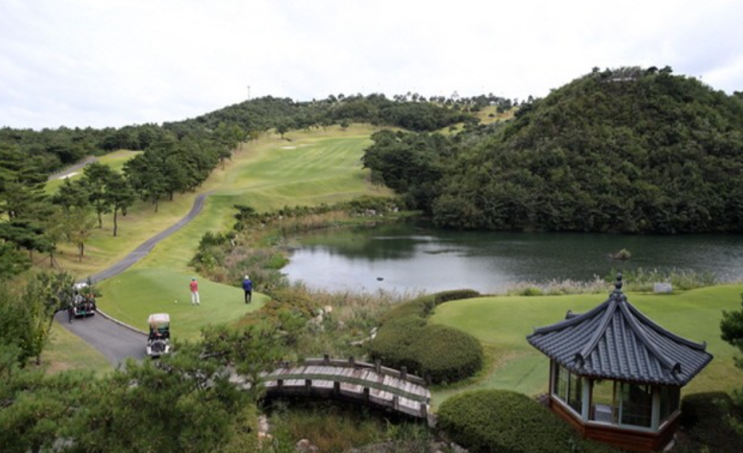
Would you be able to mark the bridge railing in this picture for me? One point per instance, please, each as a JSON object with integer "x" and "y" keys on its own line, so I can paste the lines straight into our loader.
{"x": 407, "y": 393}
{"x": 351, "y": 362}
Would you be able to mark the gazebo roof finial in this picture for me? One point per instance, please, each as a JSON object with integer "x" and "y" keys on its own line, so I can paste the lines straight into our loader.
{"x": 618, "y": 284}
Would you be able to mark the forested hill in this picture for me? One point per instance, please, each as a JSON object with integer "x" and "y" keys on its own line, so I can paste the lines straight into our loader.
{"x": 51, "y": 149}
{"x": 413, "y": 112}
{"x": 629, "y": 150}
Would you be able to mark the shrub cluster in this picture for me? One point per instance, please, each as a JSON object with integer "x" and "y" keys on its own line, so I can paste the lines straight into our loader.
{"x": 440, "y": 353}
{"x": 711, "y": 422}
{"x": 507, "y": 422}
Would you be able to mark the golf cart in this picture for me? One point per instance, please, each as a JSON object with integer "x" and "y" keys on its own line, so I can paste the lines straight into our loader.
{"x": 83, "y": 300}
{"x": 158, "y": 341}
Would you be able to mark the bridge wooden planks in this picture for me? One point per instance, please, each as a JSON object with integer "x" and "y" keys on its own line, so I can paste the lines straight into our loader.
{"x": 359, "y": 381}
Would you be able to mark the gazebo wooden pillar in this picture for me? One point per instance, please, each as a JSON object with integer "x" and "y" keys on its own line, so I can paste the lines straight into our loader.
{"x": 616, "y": 376}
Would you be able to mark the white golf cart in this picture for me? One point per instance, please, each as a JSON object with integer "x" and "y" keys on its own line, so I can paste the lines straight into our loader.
{"x": 158, "y": 341}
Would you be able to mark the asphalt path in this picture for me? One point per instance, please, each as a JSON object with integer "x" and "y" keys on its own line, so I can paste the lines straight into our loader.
{"x": 117, "y": 343}
{"x": 114, "y": 339}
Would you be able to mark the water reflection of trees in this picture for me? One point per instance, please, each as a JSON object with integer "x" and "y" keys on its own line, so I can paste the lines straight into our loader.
{"x": 389, "y": 242}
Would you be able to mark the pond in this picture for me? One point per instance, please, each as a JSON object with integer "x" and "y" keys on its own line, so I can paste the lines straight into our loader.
{"x": 410, "y": 257}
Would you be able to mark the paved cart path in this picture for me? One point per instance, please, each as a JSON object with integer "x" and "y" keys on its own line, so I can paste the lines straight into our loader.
{"x": 116, "y": 340}
{"x": 117, "y": 343}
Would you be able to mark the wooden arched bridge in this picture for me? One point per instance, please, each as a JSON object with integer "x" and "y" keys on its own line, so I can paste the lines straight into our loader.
{"x": 368, "y": 383}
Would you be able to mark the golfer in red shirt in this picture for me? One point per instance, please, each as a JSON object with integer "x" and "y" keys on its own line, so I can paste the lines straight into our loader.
{"x": 195, "y": 292}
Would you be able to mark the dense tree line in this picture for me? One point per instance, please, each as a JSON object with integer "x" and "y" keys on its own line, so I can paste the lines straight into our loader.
{"x": 57, "y": 148}
{"x": 411, "y": 112}
{"x": 627, "y": 150}
{"x": 171, "y": 164}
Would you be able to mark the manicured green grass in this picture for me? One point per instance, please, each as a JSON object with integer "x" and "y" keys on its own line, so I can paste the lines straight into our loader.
{"x": 115, "y": 160}
{"x": 502, "y": 324}
{"x": 132, "y": 296}
{"x": 67, "y": 351}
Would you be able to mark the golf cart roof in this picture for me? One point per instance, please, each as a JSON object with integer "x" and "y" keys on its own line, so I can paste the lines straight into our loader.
{"x": 80, "y": 285}
{"x": 159, "y": 318}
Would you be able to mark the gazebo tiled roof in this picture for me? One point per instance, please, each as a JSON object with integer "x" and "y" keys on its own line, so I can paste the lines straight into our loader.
{"x": 616, "y": 341}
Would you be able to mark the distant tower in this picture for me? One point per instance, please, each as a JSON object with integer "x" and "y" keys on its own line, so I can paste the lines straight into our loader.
{"x": 248, "y": 92}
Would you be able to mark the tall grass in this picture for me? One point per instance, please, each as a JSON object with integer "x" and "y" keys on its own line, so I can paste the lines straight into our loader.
{"x": 339, "y": 324}
{"x": 633, "y": 280}
{"x": 559, "y": 287}
{"x": 682, "y": 279}
{"x": 336, "y": 428}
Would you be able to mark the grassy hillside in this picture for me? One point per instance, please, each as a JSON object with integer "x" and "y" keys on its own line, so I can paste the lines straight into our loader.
{"x": 502, "y": 324}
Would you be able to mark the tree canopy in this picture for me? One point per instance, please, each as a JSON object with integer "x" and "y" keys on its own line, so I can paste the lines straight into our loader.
{"x": 627, "y": 150}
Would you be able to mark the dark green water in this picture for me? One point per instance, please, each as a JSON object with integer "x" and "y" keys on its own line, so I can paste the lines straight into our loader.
{"x": 410, "y": 257}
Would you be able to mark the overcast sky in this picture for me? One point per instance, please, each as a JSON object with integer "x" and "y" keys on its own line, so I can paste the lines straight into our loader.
{"x": 117, "y": 62}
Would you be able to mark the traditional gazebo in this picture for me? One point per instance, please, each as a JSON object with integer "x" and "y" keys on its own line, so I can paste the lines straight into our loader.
{"x": 616, "y": 376}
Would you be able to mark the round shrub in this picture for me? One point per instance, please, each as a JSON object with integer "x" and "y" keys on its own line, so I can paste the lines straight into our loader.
{"x": 507, "y": 422}
{"x": 709, "y": 423}
{"x": 445, "y": 354}
{"x": 440, "y": 353}
{"x": 393, "y": 342}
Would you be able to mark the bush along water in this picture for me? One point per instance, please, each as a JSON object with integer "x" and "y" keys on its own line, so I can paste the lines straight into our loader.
{"x": 440, "y": 353}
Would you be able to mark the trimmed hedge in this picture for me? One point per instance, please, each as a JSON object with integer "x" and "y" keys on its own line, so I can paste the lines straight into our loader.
{"x": 423, "y": 306}
{"x": 442, "y": 354}
{"x": 445, "y": 354}
{"x": 395, "y": 340}
{"x": 457, "y": 294}
{"x": 708, "y": 421}
{"x": 420, "y": 307}
{"x": 501, "y": 421}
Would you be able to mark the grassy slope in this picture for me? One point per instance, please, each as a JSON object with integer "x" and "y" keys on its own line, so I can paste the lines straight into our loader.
{"x": 312, "y": 168}
{"x": 502, "y": 324}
